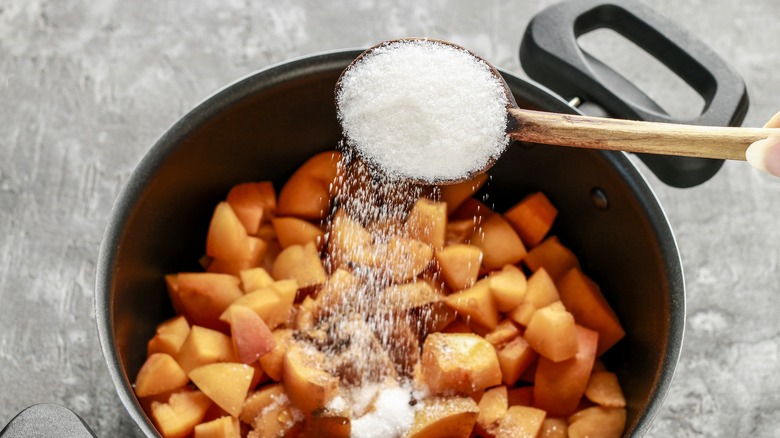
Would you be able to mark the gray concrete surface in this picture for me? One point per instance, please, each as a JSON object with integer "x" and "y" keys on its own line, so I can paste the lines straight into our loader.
{"x": 86, "y": 87}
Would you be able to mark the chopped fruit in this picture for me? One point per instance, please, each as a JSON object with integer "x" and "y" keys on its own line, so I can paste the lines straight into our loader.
{"x": 300, "y": 263}
{"x": 223, "y": 427}
{"x": 460, "y": 363}
{"x": 263, "y": 302}
{"x": 273, "y": 362}
{"x": 521, "y": 422}
{"x": 308, "y": 386}
{"x": 178, "y": 417}
{"x": 227, "y": 237}
{"x": 532, "y": 218}
{"x": 541, "y": 290}
{"x": 257, "y": 401}
{"x": 160, "y": 373}
{"x": 204, "y": 296}
{"x": 445, "y": 417}
{"x": 492, "y": 408}
{"x": 475, "y": 303}
{"x": 522, "y": 314}
{"x": 514, "y": 358}
{"x": 459, "y": 265}
{"x": 204, "y": 346}
{"x": 508, "y": 287}
{"x": 294, "y": 231}
{"x": 455, "y": 194}
{"x": 597, "y": 421}
{"x": 169, "y": 337}
{"x": 427, "y": 222}
{"x": 499, "y": 243}
{"x": 253, "y": 203}
{"x": 555, "y": 258}
{"x": 307, "y": 193}
{"x": 554, "y": 428}
{"x": 604, "y": 389}
{"x": 552, "y": 333}
{"x": 251, "y": 336}
{"x": 255, "y": 278}
{"x": 504, "y": 332}
{"x": 226, "y": 384}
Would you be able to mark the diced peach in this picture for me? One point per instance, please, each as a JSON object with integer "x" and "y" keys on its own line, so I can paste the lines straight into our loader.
{"x": 458, "y": 325}
{"x": 350, "y": 242}
{"x": 227, "y": 237}
{"x": 280, "y": 419}
{"x": 259, "y": 400}
{"x": 294, "y": 231}
{"x": 475, "y": 303}
{"x": 499, "y": 243}
{"x": 504, "y": 332}
{"x": 521, "y": 422}
{"x": 307, "y": 193}
{"x": 522, "y": 314}
{"x": 559, "y": 386}
{"x": 552, "y": 333}
{"x": 252, "y": 202}
{"x": 427, "y": 222}
{"x": 159, "y": 373}
{"x": 532, "y": 218}
{"x": 445, "y": 417}
{"x": 203, "y": 346}
{"x": 254, "y": 278}
{"x": 514, "y": 358}
{"x": 554, "y": 428}
{"x": 541, "y": 290}
{"x": 226, "y": 384}
{"x": 455, "y": 194}
{"x": 251, "y": 336}
{"x": 460, "y": 363}
{"x": 492, "y": 408}
{"x": 473, "y": 210}
{"x": 604, "y": 389}
{"x": 403, "y": 259}
{"x": 262, "y": 301}
{"x": 178, "y": 417}
{"x": 204, "y": 296}
{"x": 253, "y": 257}
{"x": 308, "y": 385}
{"x": 223, "y": 427}
{"x": 584, "y": 300}
{"x": 287, "y": 291}
{"x": 169, "y": 337}
{"x": 508, "y": 287}
{"x": 459, "y": 265}
{"x": 459, "y": 231}
{"x": 273, "y": 362}
{"x": 551, "y": 255}
{"x": 301, "y": 263}
{"x": 598, "y": 421}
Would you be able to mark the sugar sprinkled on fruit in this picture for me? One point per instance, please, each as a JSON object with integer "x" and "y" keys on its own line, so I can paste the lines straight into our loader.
{"x": 424, "y": 110}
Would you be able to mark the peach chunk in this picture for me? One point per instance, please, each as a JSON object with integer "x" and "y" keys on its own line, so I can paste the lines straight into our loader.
{"x": 597, "y": 421}
{"x": 499, "y": 243}
{"x": 178, "y": 417}
{"x": 604, "y": 389}
{"x": 204, "y": 296}
{"x": 227, "y": 237}
{"x": 459, "y": 265}
{"x": 328, "y": 423}
{"x": 273, "y": 362}
{"x": 300, "y": 263}
{"x": 541, "y": 290}
{"x": 492, "y": 408}
{"x": 159, "y": 373}
{"x": 551, "y": 255}
{"x": 522, "y": 314}
{"x": 584, "y": 300}
{"x": 554, "y": 428}
{"x": 226, "y": 384}
{"x": 169, "y": 336}
{"x": 445, "y": 417}
{"x": 256, "y": 402}
{"x": 552, "y": 333}
{"x": 308, "y": 385}
{"x": 307, "y": 193}
{"x": 254, "y": 278}
{"x": 402, "y": 258}
{"x": 223, "y": 427}
{"x": 508, "y": 287}
{"x": 427, "y": 222}
{"x": 454, "y": 194}
{"x": 459, "y": 362}
{"x": 532, "y": 218}
{"x": 253, "y": 202}
{"x": 263, "y": 302}
{"x": 251, "y": 336}
{"x": 514, "y": 358}
{"x": 559, "y": 386}
{"x": 294, "y": 231}
{"x": 521, "y": 422}
{"x": 476, "y": 304}
{"x": 204, "y": 346}
{"x": 504, "y": 332}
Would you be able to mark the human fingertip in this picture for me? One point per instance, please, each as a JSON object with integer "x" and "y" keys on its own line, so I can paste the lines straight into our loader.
{"x": 765, "y": 155}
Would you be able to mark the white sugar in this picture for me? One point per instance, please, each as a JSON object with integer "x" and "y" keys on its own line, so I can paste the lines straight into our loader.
{"x": 392, "y": 417}
{"x": 423, "y": 110}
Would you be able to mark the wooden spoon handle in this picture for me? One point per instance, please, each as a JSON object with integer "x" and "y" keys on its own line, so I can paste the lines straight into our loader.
{"x": 634, "y": 136}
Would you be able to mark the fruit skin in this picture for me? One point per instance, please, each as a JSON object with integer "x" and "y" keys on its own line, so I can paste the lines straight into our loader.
{"x": 253, "y": 202}
{"x": 308, "y": 386}
{"x": 203, "y": 297}
{"x": 294, "y": 231}
{"x": 559, "y": 386}
{"x": 251, "y": 336}
{"x": 462, "y": 363}
{"x": 445, "y": 417}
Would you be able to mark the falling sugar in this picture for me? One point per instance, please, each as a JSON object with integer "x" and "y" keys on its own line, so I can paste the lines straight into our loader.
{"x": 423, "y": 110}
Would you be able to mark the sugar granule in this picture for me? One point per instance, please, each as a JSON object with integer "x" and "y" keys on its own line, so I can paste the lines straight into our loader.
{"x": 423, "y": 110}
{"x": 392, "y": 417}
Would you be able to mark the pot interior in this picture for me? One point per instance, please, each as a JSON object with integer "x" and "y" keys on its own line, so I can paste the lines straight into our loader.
{"x": 264, "y": 126}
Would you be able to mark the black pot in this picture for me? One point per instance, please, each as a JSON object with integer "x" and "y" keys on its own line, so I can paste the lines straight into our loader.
{"x": 265, "y": 125}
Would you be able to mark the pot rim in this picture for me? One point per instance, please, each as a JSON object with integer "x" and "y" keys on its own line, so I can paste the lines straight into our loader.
{"x": 278, "y": 73}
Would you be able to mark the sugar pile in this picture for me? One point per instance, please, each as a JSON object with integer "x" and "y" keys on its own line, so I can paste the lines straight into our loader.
{"x": 423, "y": 110}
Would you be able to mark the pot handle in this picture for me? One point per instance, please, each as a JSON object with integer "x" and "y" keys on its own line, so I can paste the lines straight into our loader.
{"x": 550, "y": 55}
{"x": 46, "y": 420}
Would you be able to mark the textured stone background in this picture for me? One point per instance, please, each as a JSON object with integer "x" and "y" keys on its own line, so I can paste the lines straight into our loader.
{"x": 86, "y": 87}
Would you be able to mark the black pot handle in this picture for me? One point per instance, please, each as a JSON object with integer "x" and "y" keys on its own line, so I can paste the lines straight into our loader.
{"x": 46, "y": 420}
{"x": 550, "y": 54}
